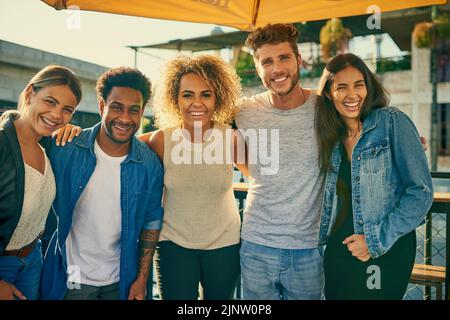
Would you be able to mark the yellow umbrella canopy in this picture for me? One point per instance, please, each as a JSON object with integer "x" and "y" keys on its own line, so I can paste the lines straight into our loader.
{"x": 240, "y": 14}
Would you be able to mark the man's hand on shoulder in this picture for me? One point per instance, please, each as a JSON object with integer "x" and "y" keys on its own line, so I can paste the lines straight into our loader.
{"x": 66, "y": 134}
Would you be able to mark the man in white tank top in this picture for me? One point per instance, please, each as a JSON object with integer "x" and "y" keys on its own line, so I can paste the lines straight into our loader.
{"x": 280, "y": 256}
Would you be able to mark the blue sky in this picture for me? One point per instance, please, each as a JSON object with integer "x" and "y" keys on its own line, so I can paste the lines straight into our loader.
{"x": 102, "y": 38}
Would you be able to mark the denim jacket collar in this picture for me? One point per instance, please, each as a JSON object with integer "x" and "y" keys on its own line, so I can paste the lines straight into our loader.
{"x": 370, "y": 122}
{"x": 88, "y": 141}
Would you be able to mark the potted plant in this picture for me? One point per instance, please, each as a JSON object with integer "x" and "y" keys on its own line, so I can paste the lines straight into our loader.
{"x": 422, "y": 34}
{"x": 333, "y": 38}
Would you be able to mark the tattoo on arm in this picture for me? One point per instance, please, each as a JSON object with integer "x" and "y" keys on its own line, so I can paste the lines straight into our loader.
{"x": 147, "y": 245}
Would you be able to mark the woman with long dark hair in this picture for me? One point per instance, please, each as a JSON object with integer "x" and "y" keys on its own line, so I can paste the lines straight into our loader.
{"x": 27, "y": 184}
{"x": 378, "y": 186}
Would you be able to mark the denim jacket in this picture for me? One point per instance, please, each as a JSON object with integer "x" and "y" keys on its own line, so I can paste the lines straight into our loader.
{"x": 141, "y": 195}
{"x": 391, "y": 183}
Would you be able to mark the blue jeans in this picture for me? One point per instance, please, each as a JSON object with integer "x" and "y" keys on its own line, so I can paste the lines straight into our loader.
{"x": 281, "y": 274}
{"x": 24, "y": 273}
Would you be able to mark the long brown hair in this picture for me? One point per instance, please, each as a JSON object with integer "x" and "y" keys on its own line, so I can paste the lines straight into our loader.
{"x": 330, "y": 128}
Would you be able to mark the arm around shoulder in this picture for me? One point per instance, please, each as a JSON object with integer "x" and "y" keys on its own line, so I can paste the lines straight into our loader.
{"x": 145, "y": 137}
{"x": 240, "y": 152}
{"x": 155, "y": 141}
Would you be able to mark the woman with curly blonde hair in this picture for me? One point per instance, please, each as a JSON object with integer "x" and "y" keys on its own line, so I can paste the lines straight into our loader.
{"x": 200, "y": 236}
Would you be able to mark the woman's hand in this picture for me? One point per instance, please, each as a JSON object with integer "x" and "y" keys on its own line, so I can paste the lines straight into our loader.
{"x": 9, "y": 292}
{"x": 66, "y": 134}
{"x": 357, "y": 245}
{"x": 240, "y": 153}
{"x": 145, "y": 137}
{"x": 423, "y": 140}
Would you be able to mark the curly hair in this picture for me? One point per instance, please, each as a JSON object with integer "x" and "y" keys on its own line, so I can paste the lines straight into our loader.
{"x": 219, "y": 75}
{"x": 123, "y": 77}
{"x": 273, "y": 34}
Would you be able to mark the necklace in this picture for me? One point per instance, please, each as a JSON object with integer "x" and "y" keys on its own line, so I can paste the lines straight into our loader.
{"x": 354, "y": 136}
{"x": 356, "y": 133}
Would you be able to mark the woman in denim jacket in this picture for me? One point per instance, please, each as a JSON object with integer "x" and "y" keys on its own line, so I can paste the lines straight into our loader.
{"x": 378, "y": 186}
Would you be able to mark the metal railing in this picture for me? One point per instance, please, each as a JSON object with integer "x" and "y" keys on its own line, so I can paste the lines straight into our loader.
{"x": 432, "y": 243}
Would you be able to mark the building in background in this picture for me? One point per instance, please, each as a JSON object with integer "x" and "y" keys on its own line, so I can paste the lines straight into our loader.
{"x": 406, "y": 75}
{"x": 18, "y": 64}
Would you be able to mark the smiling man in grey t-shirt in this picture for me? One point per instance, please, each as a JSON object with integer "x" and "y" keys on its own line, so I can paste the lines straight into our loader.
{"x": 280, "y": 257}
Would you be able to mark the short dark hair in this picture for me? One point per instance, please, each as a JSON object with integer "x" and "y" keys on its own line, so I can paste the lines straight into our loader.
{"x": 273, "y": 34}
{"x": 123, "y": 77}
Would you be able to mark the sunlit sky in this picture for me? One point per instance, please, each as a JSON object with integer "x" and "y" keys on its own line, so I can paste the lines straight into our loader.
{"x": 102, "y": 38}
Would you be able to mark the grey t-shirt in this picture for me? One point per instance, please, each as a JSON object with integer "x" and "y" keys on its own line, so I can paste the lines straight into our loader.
{"x": 284, "y": 200}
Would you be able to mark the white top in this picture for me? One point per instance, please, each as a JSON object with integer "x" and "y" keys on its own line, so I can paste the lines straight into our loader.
{"x": 200, "y": 210}
{"x": 40, "y": 191}
{"x": 93, "y": 244}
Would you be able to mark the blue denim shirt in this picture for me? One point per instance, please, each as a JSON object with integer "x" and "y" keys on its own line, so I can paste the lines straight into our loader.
{"x": 141, "y": 188}
{"x": 391, "y": 183}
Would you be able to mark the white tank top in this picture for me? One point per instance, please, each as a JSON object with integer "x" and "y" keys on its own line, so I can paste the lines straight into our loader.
{"x": 200, "y": 210}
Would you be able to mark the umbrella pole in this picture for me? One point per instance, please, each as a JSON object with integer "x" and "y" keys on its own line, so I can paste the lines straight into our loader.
{"x": 434, "y": 104}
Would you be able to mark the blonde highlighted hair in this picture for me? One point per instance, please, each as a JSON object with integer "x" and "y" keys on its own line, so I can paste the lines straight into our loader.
{"x": 52, "y": 75}
{"x": 219, "y": 75}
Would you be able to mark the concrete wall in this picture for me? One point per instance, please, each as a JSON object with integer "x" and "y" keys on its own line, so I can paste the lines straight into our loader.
{"x": 19, "y": 63}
